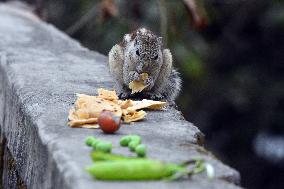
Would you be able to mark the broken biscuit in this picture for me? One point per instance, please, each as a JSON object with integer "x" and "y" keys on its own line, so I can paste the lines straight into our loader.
{"x": 134, "y": 116}
{"x": 107, "y": 94}
{"x": 147, "y": 104}
{"x": 94, "y": 105}
{"x": 138, "y": 86}
{"x": 125, "y": 103}
{"x": 74, "y": 121}
{"x": 88, "y": 108}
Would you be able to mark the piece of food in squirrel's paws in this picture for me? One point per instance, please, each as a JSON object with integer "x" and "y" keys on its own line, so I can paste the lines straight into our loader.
{"x": 138, "y": 86}
{"x": 143, "y": 76}
{"x": 108, "y": 122}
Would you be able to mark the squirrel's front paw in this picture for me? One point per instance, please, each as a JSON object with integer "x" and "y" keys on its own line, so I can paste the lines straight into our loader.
{"x": 154, "y": 96}
{"x": 149, "y": 82}
{"x": 124, "y": 95}
{"x": 134, "y": 76}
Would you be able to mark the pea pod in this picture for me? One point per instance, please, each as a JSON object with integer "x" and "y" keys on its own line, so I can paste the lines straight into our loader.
{"x": 136, "y": 169}
{"x": 102, "y": 156}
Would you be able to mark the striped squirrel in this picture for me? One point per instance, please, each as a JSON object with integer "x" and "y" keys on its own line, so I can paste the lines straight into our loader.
{"x": 142, "y": 52}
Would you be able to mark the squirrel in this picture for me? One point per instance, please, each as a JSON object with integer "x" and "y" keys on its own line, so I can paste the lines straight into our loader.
{"x": 142, "y": 52}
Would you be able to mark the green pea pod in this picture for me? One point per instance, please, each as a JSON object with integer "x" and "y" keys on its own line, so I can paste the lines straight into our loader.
{"x": 102, "y": 156}
{"x": 139, "y": 169}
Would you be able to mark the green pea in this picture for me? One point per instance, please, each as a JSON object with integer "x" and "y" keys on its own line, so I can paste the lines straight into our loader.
{"x": 104, "y": 147}
{"x": 131, "y": 141}
{"x": 135, "y": 138}
{"x": 124, "y": 141}
{"x": 89, "y": 140}
{"x": 94, "y": 144}
{"x": 141, "y": 150}
{"x": 133, "y": 144}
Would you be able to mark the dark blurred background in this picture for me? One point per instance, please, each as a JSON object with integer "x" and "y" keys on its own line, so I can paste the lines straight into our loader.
{"x": 231, "y": 57}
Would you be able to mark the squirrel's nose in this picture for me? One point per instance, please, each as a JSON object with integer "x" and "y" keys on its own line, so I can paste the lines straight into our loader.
{"x": 139, "y": 68}
{"x": 142, "y": 66}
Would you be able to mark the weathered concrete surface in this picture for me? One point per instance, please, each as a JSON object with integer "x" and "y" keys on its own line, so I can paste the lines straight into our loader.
{"x": 41, "y": 69}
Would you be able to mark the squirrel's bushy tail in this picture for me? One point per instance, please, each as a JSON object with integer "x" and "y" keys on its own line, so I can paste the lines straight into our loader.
{"x": 173, "y": 87}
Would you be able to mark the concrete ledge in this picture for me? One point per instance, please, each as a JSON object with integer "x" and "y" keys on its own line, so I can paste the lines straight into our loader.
{"x": 41, "y": 69}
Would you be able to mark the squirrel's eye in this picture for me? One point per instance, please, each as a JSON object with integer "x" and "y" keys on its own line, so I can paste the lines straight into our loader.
{"x": 156, "y": 57}
{"x": 137, "y": 53}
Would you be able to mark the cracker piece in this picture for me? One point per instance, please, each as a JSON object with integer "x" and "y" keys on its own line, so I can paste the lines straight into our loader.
{"x": 143, "y": 76}
{"x": 124, "y": 112}
{"x": 87, "y": 110}
{"x": 93, "y": 106}
{"x": 138, "y": 86}
{"x": 71, "y": 115}
{"x": 91, "y": 126}
{"x": 107, "y": 94}
{"x": 147, "y": 104}
{"x": 125, "y": 103}
{"x": 135, "y": 116}
{"x": 81, "y": 122}
{"x": 74, "y": 121}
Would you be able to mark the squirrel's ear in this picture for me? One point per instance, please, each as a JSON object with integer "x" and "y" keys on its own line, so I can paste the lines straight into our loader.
{"x": 160, "y": 41}
{"x": 127, "y": 38}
